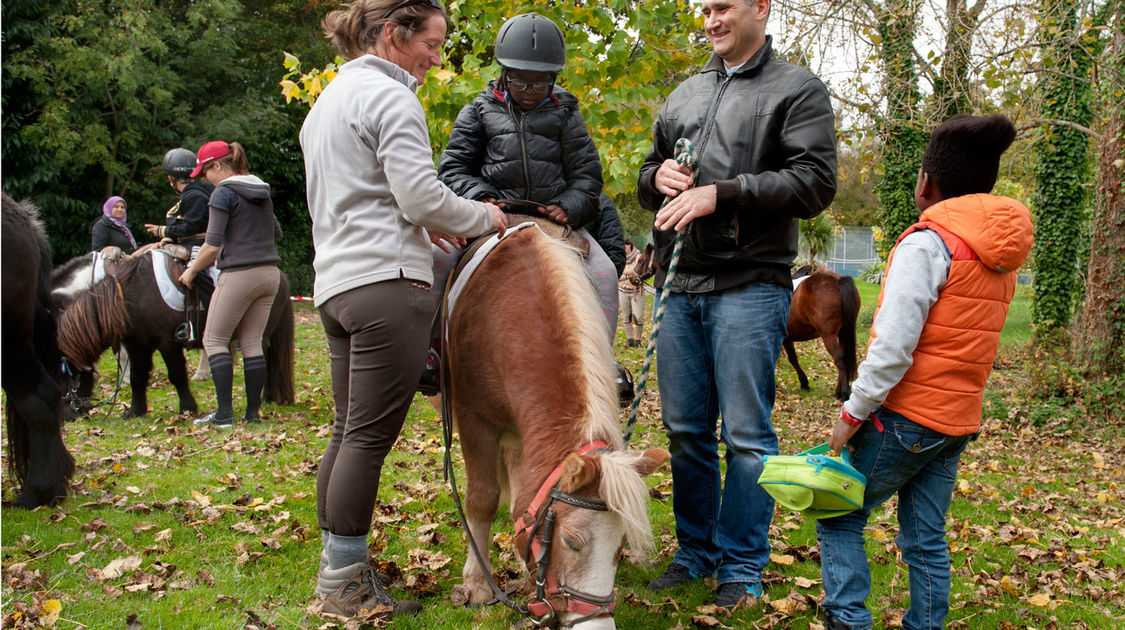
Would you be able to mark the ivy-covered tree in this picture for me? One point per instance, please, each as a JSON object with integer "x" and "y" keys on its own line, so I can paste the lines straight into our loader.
{"x": 902, "y": 130}
{"x": 1062, "y": 169}
{"x": 1103, "y": 323}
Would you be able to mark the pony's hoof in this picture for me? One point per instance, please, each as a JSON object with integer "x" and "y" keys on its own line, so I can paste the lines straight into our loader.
{"x": 30, "y": 499}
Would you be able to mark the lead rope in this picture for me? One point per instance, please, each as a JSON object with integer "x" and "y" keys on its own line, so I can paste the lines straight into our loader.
{"x": 684, "y": 154}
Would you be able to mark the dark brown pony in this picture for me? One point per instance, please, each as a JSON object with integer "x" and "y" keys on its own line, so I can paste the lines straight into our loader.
{"x": 531, "y": 386}
{"x": 646, "y": 264}
{"x": 36, "y": 452}
{"x": 826, "y": 305}
{"x": 127, "y": 308}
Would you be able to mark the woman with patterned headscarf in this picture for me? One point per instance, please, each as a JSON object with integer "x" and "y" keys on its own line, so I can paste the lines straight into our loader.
{"x": 111, "y": 229}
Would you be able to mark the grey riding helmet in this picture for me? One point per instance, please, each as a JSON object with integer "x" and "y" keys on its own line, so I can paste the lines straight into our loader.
{"x": 531, "y": 42}
{"x": 179, "y": 163}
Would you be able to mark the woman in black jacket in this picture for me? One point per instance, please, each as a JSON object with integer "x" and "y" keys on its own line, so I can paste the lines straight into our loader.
{"x": 111, "y": 229}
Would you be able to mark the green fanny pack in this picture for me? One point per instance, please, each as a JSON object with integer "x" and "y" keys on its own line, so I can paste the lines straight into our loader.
{"x": 813, "y": 482}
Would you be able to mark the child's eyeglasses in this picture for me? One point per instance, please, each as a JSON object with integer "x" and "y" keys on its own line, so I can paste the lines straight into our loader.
{"x": 537, "y": 87}
{"x": 407, "y": 3}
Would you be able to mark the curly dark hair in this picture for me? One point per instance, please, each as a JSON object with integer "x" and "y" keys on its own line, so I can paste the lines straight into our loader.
{"x": 963, "y": 156}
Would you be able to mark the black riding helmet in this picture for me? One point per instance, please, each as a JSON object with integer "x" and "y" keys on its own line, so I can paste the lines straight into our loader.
{"x": 179, "y": 163}
{"x": 531, "y": 42}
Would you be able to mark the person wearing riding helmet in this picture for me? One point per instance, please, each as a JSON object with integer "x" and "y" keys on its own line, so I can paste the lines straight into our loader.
{"x": 185, "y": 223}
{"x": 524, "y": 138}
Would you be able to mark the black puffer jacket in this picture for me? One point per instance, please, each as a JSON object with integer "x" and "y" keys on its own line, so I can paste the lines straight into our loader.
{"x": 186, "y": 222}
{"x": 766, "y": 139}
{"x": 608, "y": 233}
{"x": 545, "y": 155}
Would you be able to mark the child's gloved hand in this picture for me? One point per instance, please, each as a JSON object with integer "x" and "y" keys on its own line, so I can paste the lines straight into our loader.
{"x": 556, "y": 213}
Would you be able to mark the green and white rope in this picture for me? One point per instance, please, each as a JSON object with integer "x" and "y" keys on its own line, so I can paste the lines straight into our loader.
{"x": 684, "y": 153}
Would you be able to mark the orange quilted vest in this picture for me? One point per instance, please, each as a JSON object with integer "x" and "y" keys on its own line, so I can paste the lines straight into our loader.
{"x": 989, "y": 237}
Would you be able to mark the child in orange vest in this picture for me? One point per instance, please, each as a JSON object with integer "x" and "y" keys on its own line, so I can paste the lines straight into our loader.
{"x": 917, "y": 400}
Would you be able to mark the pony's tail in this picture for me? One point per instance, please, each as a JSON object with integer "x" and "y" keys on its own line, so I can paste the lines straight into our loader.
{"x": 849, "y": 313}
{"x": 279, "y": 351}
{"x": 95, "y": 321}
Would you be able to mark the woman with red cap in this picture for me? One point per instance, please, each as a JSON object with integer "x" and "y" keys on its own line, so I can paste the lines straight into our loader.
{"x": 241, "y": 232}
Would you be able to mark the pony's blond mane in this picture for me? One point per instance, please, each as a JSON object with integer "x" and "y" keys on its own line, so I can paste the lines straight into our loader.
{"x": 582, "y": 315}
{"x": 624, "y": 491}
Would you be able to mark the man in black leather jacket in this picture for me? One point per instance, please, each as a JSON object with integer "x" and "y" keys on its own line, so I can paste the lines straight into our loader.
{"x": 764, "y": 136}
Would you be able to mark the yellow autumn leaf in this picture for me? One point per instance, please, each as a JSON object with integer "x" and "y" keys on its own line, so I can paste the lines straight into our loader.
{"x": 782, "y": 559}
{"x": 1039, "y": 599}
{"x": 49, "y": 612}
{"x": 1099, "y": 460}
{"x": 1009, "y": 587}
{"x": 202, "y": 499}
{"x": 443, "y": 74}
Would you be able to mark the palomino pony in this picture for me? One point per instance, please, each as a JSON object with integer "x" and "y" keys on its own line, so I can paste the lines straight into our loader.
{"x": 126, "y": 306}
{"x": 826, "y": 305}
{"x": 36, "y": 452}
{"x": 532, "y": 393}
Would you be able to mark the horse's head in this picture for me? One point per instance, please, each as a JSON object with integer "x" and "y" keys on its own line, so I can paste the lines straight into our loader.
{"x": 574, "y": 533}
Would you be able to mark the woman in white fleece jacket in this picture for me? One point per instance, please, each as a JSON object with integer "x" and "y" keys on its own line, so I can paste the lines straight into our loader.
{"x": 376, "y": 206}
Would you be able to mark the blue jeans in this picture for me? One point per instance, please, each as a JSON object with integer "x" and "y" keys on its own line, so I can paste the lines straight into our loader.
{"x": 921, "y": 466}
{"x": 717, "y": 352}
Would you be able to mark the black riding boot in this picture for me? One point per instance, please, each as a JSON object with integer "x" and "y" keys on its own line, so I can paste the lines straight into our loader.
{"x": 222, "y": 373}
{"x": 255, "y": 368}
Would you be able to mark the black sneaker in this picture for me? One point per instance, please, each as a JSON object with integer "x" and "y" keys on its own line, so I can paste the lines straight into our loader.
{"x": 731, "y": 594}
{"x": 675, "y": 575}
{"x": 624, "y": 386}
{"x": 430, "y": 381}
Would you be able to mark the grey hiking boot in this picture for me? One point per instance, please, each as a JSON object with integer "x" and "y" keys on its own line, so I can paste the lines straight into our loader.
{"x": 732, "y": 594}
{"x": 363, "y": 592}
{"x": 675, "y": 575}
{"x": 328, "y": 581}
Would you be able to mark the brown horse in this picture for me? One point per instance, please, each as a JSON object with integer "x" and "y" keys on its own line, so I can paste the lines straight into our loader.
{"x": 126, "y": 307}
{"x": 826, "y": 305}
{"x": 531, "y": 386}
{"x": 36, "y": 452}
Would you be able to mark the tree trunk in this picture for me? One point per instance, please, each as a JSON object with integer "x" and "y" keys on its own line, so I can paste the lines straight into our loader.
{"x": 902, "y": 134}
{"x": 951, "y": 89}
{"x": 1103, "y": 321}
{"x": 1061, "y": 166}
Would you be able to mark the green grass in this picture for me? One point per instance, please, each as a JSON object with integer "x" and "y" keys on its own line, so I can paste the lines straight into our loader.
{"x": 220, "y": 525}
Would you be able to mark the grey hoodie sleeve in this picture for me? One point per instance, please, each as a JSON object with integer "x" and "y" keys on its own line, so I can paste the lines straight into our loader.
{"x": 918, "y": 272}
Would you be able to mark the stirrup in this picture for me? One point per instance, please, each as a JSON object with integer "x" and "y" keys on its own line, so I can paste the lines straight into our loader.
{"x": 185, "y": 333}
{"x": 429, "y": 384}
